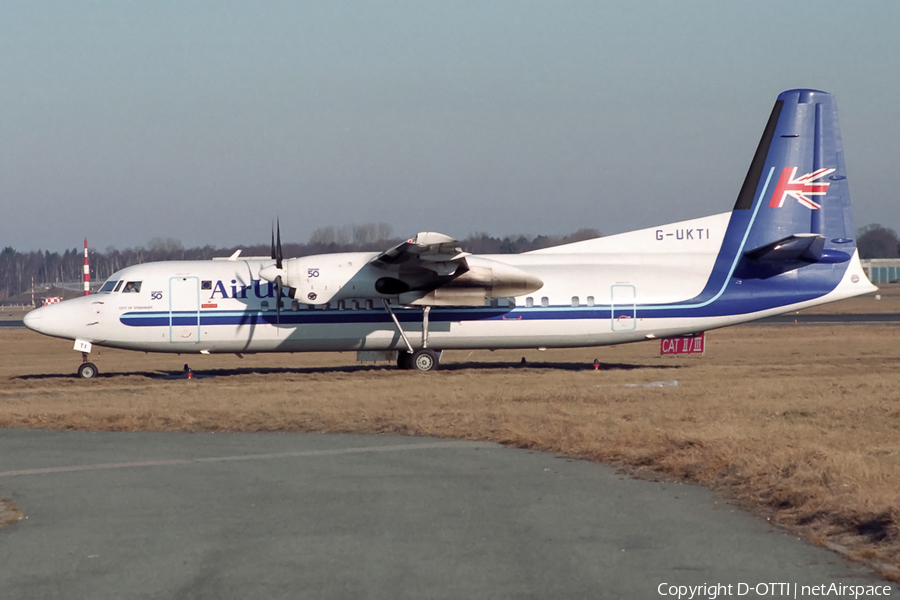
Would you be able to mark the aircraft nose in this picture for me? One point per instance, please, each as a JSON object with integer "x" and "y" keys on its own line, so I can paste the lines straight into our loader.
{"x": 64, "y": 319}
{"x": 32, "y": 319}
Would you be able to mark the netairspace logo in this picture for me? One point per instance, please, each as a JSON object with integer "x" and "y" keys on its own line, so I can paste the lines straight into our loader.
{"x": 711, "y": 591}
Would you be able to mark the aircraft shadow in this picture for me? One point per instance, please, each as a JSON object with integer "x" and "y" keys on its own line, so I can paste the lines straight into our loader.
{"x": 554, "y": 366}
{"x": 462, "y": 366}
{"x": 50, "y": 376}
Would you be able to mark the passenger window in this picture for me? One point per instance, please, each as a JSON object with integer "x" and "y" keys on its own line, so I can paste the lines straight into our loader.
{"x": 368, "y": 305}
{"x": 529, "y": 302}
{"x": 545, "y": 301}
{"x": 494, "y": 303}
{"x": 511, "y": 302}
{"x": 341, "y": 305}
{"x": 575, "y": 301}
{"x": 590, "y": 300}
{"x": 354, "y": 305}
{"x": 295, "y": 306}
{"x": 264, "y": 305}
{"x": 132, "y": 287}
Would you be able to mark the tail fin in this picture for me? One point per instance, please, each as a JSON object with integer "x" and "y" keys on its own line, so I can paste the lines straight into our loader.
{"x": 790, "y": 239}
{"x": 795, "y": 196}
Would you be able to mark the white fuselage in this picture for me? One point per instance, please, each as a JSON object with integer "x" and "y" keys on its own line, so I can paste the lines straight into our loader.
{"x": 597, "y": 292}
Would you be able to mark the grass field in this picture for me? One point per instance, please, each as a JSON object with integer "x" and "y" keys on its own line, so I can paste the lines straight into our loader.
{"x": 800, "y": 424}
{"x": 12, "y": 312}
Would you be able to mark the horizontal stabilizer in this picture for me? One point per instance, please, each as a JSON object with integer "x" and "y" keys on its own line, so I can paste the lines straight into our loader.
{"x": 787, "y": 254}
{"x": 804, "y": 247}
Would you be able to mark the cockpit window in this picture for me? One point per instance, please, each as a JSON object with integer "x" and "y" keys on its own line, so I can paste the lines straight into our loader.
{"x": 108, "y": 286}
{"x": 118, "y": 285}
{"x": 132, "y": 287}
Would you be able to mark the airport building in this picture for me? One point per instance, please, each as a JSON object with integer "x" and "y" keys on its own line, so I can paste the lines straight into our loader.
{"x": 882, "y": 270}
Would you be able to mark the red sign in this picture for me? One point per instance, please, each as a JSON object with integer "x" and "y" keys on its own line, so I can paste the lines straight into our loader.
{"x": 695, "y": 344}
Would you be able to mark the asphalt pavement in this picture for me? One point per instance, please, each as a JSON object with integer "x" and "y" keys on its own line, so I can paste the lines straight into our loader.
{"x": 215, "y": 515}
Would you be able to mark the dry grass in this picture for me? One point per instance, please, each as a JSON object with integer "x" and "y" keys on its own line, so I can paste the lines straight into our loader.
{"x": 798, "y": 423}
{"x": 9, "y": 512}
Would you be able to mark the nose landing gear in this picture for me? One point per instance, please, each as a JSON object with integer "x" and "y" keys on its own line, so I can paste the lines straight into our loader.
{"x": 87, "y": 370}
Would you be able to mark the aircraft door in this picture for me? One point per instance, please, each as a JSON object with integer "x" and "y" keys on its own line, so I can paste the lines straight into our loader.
{"x": 184, "y": 310}
{"x": 623, "y": 311}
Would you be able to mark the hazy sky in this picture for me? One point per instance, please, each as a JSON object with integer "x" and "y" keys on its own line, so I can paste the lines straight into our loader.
{"x": 202, "y": 121}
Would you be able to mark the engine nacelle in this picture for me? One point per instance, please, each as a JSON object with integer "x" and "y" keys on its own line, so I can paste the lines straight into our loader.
{"x": 498, "y": 279}
{"x": 484, "y": 279}
{"x": 319, "y": 278}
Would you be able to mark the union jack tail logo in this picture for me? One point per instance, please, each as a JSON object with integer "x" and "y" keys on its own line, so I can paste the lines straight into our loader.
{"x": 800, "y": 188}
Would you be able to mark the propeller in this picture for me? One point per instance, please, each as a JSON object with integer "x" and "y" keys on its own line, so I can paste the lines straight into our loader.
{"x": 278, "y": 255}
{"x": 276, "y": 273}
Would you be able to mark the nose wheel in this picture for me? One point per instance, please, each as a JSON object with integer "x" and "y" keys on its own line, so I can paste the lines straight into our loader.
{"x": 87, "y": 370}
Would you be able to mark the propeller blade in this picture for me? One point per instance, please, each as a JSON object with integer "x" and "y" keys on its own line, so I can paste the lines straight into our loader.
{"x": 278, "y": 288}
{"x": 278, "y": 257}
{"x": 273, "y": 243}
{"x": 278, "y": 254}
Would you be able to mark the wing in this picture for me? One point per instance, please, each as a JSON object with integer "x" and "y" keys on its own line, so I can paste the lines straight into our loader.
{"x": 428, "y": 251}
{"x": 432, "y": 270}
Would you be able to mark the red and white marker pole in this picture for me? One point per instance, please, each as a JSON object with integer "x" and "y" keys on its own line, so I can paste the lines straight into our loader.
{"x": 87, "y": 272}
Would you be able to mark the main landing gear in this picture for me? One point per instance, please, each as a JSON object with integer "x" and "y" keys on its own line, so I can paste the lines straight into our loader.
{"x": 423, "y": 359}
{"x": 87, "y": 370}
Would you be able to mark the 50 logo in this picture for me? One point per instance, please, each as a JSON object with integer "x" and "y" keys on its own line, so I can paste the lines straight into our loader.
{"x": 312, "y": 272}
{"x": 156, "y": 295}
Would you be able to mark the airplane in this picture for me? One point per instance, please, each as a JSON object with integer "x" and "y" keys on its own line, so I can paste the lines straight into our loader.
{"x": 787, "y": 244}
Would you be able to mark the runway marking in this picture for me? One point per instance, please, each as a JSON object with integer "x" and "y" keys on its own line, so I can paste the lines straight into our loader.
{"x": 212, "y": 459}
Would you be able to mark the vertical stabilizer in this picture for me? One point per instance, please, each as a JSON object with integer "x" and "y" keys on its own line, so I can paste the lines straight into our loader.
{"x": 790, "y": 238}
{"x": 796, "y": 188}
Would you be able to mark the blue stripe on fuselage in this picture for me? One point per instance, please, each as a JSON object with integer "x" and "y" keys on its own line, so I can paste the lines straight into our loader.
{"x": 739, "y": 299}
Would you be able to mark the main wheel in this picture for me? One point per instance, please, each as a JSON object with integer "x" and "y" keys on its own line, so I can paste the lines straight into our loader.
{"x": 87, "y": 370}
{"x": 425, "y": 359}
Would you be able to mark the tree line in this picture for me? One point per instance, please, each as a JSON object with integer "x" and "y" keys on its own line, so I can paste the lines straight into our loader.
{"x": 877, "y": 241}
{"x": 50, "y": 269}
